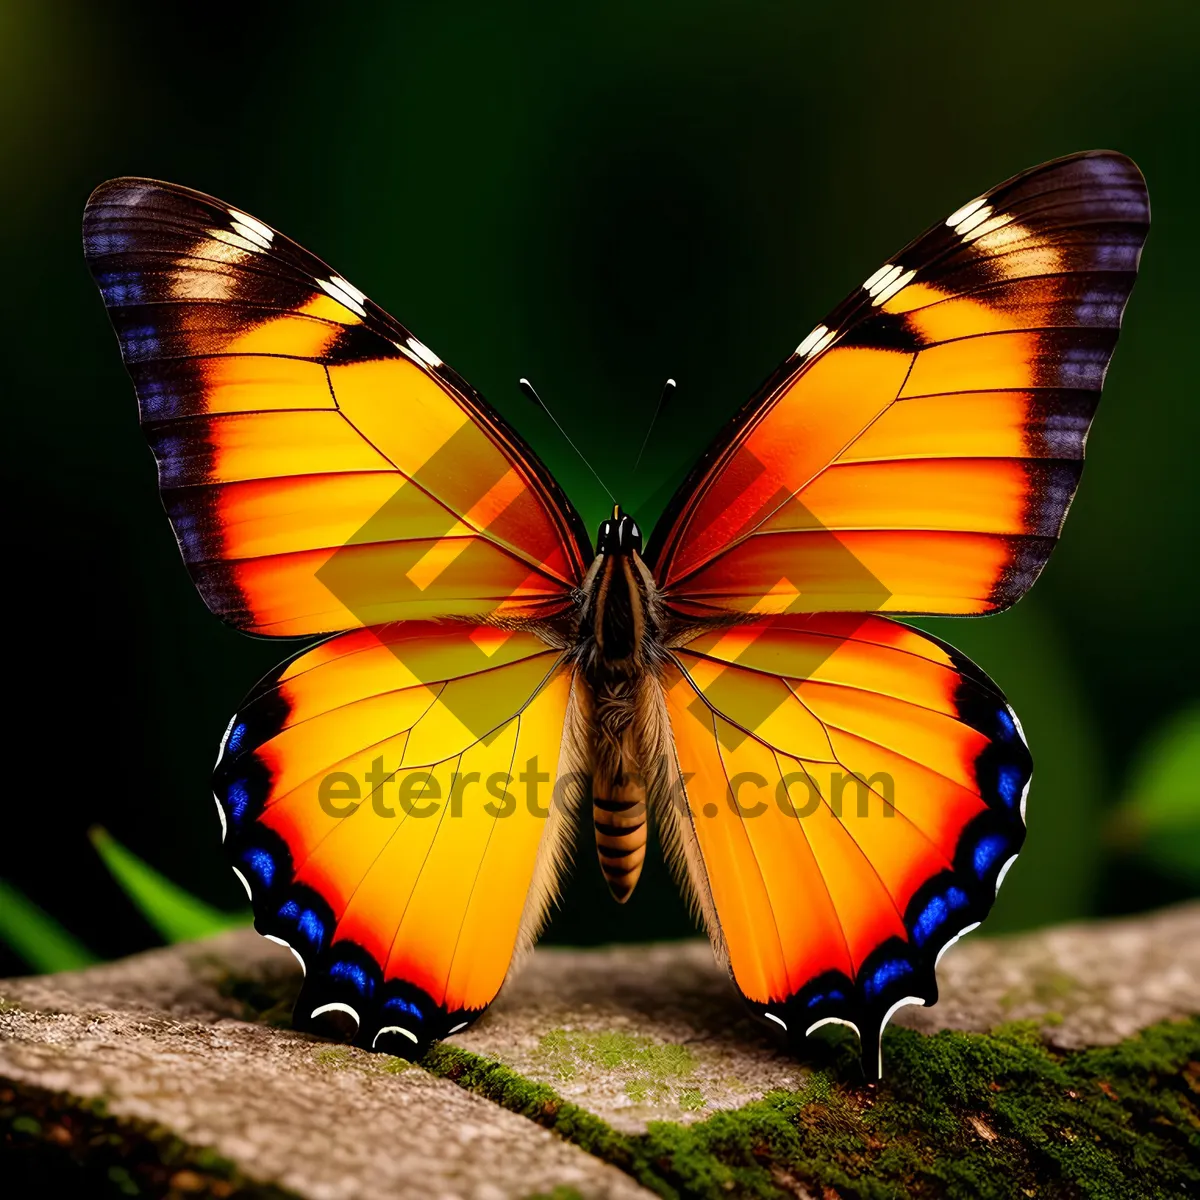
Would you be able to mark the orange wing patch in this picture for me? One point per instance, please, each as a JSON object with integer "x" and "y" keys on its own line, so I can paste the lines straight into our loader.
{"x": 854, "y": 790}
{"x": 376, "y": 796}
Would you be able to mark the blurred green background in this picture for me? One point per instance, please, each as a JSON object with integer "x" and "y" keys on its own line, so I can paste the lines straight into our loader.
{"x": 596, "y": 197}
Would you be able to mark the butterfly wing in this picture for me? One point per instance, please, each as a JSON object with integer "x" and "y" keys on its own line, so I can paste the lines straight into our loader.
{"x": 387, "y": 800}
{"x": 851, "y": 795}
{"x": 918, "y": 451}
{"x": 322, "y": 468}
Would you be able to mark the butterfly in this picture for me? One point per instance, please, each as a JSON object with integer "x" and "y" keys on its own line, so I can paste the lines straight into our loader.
{"x": 839, "y": 793}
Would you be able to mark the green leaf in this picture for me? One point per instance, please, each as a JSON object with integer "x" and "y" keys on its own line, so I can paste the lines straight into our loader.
{"x": 1160, "y": 815}
{"x": 37, "y": 937}
{"x": 175, "y": 913}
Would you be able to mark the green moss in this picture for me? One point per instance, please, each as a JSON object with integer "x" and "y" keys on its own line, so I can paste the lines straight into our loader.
{"x": 564, "y": 1054}
{"x": 969, "y": 1115}
{"x": 333, "y": 1057}
{"x": 52, "y": 1143}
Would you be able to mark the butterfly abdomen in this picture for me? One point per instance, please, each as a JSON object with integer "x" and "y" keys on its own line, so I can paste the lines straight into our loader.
{"x": 618, "y": 647}
{"x": 619, "y": 818}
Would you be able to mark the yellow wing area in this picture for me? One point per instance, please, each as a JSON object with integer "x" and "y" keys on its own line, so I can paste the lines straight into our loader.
{"x": 389, "y": 799}
{"x": 918, "y": 451}
{"x": 322, "y": 468}
{"x": 851, "y": 792}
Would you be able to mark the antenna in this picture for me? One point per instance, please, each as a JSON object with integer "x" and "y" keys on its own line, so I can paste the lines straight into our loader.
{"x": 528, "y": 389}
{"x": 668, "y": 388}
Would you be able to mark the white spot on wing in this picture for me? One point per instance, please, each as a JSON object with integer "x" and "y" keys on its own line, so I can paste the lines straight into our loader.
{"x": 891, "y": 288}
{"x": 412, "y": 1037}
{"x": 811, "y": 342}
{"x": 883, "y": 278}
{"x": 887, "y": 1016}
{"x": 423, "y": 351}
{"x": 961, "y": 214}
{"x": 224, "y": 741}
{"x": 244, "y": 882}
{"x": 832, "y": 1021}
{"x": 296, "y": 953}
{"x": 1004, "y": 871}
{"x": 221, "y": 814}
{"x": 343, "y": 293}
{"x": 1017, "y": 723}
{"x": 773, "y": 1017}
{"x": 872, "y": 280}
{"x": 252, "y": 229}
{"x": 335, "y": 1006}
{"x": 960, "y": 934}
{"x": 458, "y": 1027}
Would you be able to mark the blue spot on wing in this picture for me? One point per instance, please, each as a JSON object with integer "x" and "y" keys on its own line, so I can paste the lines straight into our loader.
{"x": 157, "y": 397}
{"x": 1008, "y": 727}
{"x": 237, "y": 799}
{"x": 933, "y": 917}
{"x": 140, "y": 341}
{"x": 311, "y": 926}
{"x": 936, "y": 912}
{"x": 262, "y": 864}
{"x": 353, "y": 974}
{"x": 399, "y": 1004}
{"x": 1008, "y": 784}
{"x": 886, "y": 974}
{"x": 987, "y": 852}
{"x": 236, "y": 736}
{"x": 822, "y": 997}
{"x": 121, "y": 288}
{"x": 290, "y": 911}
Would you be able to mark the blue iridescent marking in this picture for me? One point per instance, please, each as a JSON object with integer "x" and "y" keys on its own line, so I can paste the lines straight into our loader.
{"x": 141, "y": 341}
{"x": 234, "y": 742}
{"x": 821, "y": 997}
{"x": 1008, "y": 727}
{"x": 989, "y": 849}
{"x": 108, "y": 243}
{"x": 157, "y": 397}
{"x": 311, "y": 926}
{"x": 353, "y": 974}
{"x": 121, "y": 287}
{"x": 171, "y": 450}
{"x": 405, "y": 1006}
{"x": 932, "y": 917}
{"x": 1008, "y": 784}
{"x": 261, "y": 863}
{"x": 935, "y": 913}
{"x": 190, "y": 532}
{"x": 237, "y": 797}
{"x": 884, "y": 974}
{"x": 290, "y": 911}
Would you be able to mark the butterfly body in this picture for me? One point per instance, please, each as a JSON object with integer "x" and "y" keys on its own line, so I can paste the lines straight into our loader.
{"x": 839, "y": 794}
{"x": 620, "y": 652}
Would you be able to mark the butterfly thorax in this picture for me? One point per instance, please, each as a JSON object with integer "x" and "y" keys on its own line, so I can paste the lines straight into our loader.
{"x": 617, "y": 650}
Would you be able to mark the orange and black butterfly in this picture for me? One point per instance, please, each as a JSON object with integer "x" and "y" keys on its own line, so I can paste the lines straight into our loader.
{"x": 840, "y": 794}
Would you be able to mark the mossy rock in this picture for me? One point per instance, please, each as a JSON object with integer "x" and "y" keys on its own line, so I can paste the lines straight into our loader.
{"x": 1067, "y": 1065}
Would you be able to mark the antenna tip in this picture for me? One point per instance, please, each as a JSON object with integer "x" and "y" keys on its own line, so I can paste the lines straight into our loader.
{"x": 671, "y": 383}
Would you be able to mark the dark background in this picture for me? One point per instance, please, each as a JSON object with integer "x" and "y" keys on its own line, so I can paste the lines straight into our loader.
{"x": 595, "y": 199}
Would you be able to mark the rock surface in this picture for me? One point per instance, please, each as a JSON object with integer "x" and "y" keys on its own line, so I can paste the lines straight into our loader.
{"x": 1089, "y": 984}
{"x": 630, "y": 1034}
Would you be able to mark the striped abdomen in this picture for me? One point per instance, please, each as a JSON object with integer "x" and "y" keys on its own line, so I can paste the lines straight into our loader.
{"x": 619, "y": 815}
